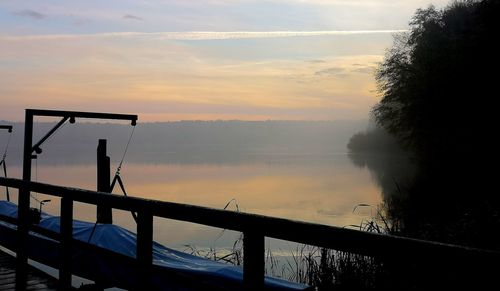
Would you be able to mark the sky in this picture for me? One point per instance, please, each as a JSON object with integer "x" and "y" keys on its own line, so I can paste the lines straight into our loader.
{"x": 203, "y": 60}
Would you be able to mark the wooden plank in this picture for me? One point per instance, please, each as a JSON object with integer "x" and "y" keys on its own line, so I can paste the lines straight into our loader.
{"x": 365, "y": 243}
{"x": 35, "y": 279}
{"x": 7, "y": 280}
{"x": 37, "y": 287}
{"x": 9, "y": 274}
{"x": 11, "y": 286}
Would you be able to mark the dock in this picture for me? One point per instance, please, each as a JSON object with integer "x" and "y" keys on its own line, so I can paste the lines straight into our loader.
{"x": 139, "y": 267}
{"x": 36, "y": 279}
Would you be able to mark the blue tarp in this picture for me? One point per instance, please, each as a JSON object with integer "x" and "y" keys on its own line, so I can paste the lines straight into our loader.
{"x": 174, "y": 270}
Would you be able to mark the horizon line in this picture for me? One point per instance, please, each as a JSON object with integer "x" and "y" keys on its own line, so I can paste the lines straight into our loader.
{"x": 203, "y": 120}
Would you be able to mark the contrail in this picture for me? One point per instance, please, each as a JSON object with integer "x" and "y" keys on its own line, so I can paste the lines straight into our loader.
{"x": 201, "y": 35}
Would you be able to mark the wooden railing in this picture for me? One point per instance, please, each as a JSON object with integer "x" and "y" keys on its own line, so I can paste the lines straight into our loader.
{"x": 254, "y": 227}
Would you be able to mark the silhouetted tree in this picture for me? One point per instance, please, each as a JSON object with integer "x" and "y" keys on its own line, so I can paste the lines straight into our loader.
{"x": 438, "y": 82}
{"x": 439, "y": 87}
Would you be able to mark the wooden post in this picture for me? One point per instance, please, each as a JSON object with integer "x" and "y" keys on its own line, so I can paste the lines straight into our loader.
{"x": 144, "y": 248}
{"x": 253, "y": 261}
{"x": 104, "y": 211}
{"x": 66, "y": 243}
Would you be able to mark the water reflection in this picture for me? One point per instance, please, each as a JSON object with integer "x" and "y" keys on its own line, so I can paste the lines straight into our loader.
{"x": 391, "y": 171}
{"x": 321, "y": 189}
{"x": 447, "y": 200}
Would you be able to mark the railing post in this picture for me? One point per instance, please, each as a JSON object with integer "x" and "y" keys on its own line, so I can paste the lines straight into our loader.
{"x": 66, "y": 243}
{"x": 253, "y": 261}
{"x": 144, "y": 248}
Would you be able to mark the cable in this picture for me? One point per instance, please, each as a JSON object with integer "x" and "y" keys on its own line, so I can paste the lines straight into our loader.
{"x": 118, "y": 179}
{"x": 6, "y": 147}
{"x": 4, "y": 164}
{"x": 118, "y": 169}
{"x": 35, "y": 197}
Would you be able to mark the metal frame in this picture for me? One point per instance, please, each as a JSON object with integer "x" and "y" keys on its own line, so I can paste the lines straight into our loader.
{"x": 8, "y": 127}
{"x": 29, "y": 148}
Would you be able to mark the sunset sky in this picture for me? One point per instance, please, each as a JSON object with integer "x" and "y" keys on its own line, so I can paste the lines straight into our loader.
{"x": 185, "y": 59}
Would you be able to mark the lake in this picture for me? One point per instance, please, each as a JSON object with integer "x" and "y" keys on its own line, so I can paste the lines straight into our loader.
{"x": 319, "y": 188}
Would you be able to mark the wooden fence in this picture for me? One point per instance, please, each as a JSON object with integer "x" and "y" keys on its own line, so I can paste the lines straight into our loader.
{"x": 254, "y": 228}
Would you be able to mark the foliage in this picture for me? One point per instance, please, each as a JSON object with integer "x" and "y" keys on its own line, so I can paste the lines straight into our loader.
{"x": 436, "y": 81}
{"x": 375, "y": 140}
{"x": 438, "y": 85}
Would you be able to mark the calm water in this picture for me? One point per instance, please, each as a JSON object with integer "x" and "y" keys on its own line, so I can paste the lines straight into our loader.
{"x": 315, "y": 188}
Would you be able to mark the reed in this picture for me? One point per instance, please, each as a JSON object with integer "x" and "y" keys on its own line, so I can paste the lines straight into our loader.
{"x": 323, "y": 269}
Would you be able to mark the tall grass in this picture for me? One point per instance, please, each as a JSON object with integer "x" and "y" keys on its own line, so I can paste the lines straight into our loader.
{"x": 327, "y": 269}
{"x": 321, "y": 268}
{"x": 233, "y": 256}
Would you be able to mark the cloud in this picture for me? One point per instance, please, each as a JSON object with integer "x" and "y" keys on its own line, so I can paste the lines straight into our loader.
{"x": 334, "y": 71}
{"x": 132, "y": 17}
{"x": 365, "y": 70}
{"x": 213, "y": 35}
{"x": 204, "y": 35}
{"x": 80, "y": 21}
{"x": 31, "y": 14}
{"x": 316, "y": 61}
{"x": 98, "y": 71}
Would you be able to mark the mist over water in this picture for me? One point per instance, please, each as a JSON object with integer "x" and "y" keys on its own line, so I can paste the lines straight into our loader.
{"x": 296, "y": 170}
{"x": 190, "y": 142}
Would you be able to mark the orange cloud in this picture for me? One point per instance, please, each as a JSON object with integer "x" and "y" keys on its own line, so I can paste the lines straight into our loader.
{"x": 153, "y": 76}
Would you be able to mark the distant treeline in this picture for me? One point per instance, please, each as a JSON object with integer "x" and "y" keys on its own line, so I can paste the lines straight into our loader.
{"x": 188, "y": 141}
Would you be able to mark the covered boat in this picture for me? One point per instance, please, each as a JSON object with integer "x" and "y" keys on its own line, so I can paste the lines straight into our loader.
{"x": 113, "y": 265}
